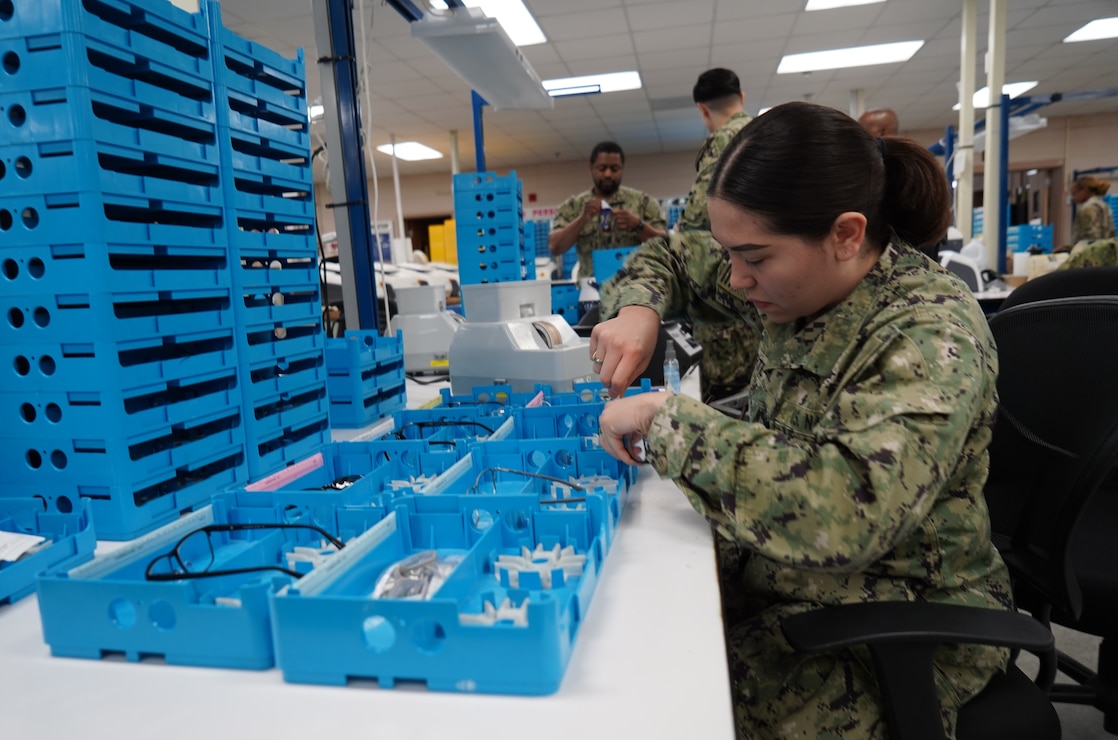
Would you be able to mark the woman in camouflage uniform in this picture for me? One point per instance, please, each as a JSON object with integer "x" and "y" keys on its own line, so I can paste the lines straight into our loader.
{"x": 856, "y": 473}
{"x": 1093, "y": 219}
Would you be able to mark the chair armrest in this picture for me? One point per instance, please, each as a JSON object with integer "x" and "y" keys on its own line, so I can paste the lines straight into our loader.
{"x": 837, "y": 627}
{"x": 902, "y": 637}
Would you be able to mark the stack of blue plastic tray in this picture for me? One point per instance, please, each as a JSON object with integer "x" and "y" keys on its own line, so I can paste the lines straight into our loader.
{"x": 265, "y": 155}
{"x": 488, "y": 222}
{"x": 119, "y": 323}
{"x": 536, "y": 233}
{"x": 1023, "y": 237}
{"x": 365, "y": 377}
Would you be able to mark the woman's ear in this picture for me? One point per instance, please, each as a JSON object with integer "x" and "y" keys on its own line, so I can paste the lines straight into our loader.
{"x": 847, "y": 234}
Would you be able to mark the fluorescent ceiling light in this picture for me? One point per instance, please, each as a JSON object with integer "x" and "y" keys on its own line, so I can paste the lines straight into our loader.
{"x": 514, "y": 17}
{"x": 828, "y": 4}
{"x": 316, "y": 111}
{"x": 410, "y": 151}
{"x": 763, "y": 111}
{"x": 605, "y": 83}
{"x": 479, "y": 50}
{"x": 856, "y": 56}
{"x": 1012, "y": 89}
{"x": 1101, "y": 28}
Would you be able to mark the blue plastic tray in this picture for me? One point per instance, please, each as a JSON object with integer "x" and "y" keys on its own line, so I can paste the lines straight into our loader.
{"x": 271, "y": 451}
{"x": 478, "y": 632}
{"x": 56, "y": 113}
{"x": 64, "y": 270}
{"x": 354, "y": 415}
{"x": 105, "y": 456}
{"x": 49, "y": 166}
{"x": 41, "y": 219}
{"x": 356, "y": 386}
{"x": 158, "y": 18}
{"x": 70, "y": 540}
{"x": 108, "y": 607}
{"x": 122, "y": 512}
{"x": 71, "y": 58}
{"x": 364, "y": 350}
{"x": 86, "y": 317}
{"x": 121, "y": 370}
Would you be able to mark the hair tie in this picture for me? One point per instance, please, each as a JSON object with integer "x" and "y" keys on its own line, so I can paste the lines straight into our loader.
{"x": 881, "y": 146}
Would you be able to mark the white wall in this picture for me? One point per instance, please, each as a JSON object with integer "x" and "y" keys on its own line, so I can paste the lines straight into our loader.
{"x": 1081, "y": 142}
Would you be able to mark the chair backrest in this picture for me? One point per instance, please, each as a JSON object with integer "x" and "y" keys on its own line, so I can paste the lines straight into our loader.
{"x": 1065, "y": 284}
{"x": 1056, "y": 436}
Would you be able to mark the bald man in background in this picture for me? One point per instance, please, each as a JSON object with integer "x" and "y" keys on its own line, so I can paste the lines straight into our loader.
{"x": 880, "y": 122}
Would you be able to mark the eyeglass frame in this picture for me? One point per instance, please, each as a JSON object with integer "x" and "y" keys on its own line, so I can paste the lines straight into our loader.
{"x": 174, "y": 556}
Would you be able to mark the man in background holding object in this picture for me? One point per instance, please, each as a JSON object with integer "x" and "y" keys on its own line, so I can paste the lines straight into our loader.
{"x": 880, "y": 122}
{"x": 606, "y": 216}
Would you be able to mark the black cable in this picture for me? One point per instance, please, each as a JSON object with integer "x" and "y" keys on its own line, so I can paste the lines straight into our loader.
{"x": 514, "y": 471}
{"x": 447, "y": 423}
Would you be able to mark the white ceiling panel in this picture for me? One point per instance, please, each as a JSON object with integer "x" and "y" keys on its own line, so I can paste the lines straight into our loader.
{"x": 670, "y": 42}
{"x": 670, "y": 15}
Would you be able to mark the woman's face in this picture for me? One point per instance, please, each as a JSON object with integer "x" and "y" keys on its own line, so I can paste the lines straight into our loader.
{"x": 1079, "y": 194}
{"x": 785, "y": 277}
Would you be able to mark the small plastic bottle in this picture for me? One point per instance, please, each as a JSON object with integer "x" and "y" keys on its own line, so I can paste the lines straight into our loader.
{"x": 671, "y": 368}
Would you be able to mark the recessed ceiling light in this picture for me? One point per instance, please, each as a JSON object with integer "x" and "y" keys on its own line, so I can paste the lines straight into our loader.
{"x": 828, "y": 4}
{"x": 1101, "y": 28}
{"x": 316, "y": 111}
{"x": 1012, "y": 89}
{"x": 856, "y": 56}
{"x": 514, "y": 17}
{"x": 604, "y": 83}
{"x": 410, "y": 151}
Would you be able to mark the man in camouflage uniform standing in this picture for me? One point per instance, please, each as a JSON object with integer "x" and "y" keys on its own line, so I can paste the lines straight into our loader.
{"x": 729, "y": 342}
{"x": 608, "y": 215}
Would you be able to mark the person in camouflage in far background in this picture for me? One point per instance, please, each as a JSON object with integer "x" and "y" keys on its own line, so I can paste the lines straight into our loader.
{"x": 857, "y": 469}
{"x": 1099, "y": 253}
{"x": 1093, "y": 217}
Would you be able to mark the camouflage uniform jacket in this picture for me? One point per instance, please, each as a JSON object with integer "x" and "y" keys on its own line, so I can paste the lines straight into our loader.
{"x": 688, "y": 275}
{"x": 1093, "y": 220}
{"x": 1100, "y": 253}
{"x": 858, "y": 472}
{"x": 694, "y": 214}
{"x": 593, "y": 236}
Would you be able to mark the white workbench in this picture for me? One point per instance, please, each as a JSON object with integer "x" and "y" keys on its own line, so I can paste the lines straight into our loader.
{"x": 648, "y": 663}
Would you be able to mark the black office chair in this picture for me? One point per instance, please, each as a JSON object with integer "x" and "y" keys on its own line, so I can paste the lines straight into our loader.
{"x": 1051, "y": 491}
{"x": 1065, "y": 284}
{"x": 902, "y": 638}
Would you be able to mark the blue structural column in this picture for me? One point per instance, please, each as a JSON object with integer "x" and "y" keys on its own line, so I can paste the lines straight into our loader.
{"x": 338, "y": 62}
{"x": 479, "y": 130}
{"x": 1003, "y": 196}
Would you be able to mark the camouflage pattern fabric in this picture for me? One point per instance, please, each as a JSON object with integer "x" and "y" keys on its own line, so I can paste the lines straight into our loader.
{"x": 593, "y": 236}
{"x": 694, "y": 216}
{"x": 1101, "y": 253}
{"x": 1093, "y": 220}
{"x": 856, "y": 475}
{"x": 688, "y": 275}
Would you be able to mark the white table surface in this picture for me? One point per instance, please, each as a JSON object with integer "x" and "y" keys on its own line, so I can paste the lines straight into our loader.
{"x": 648, "y": 663}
